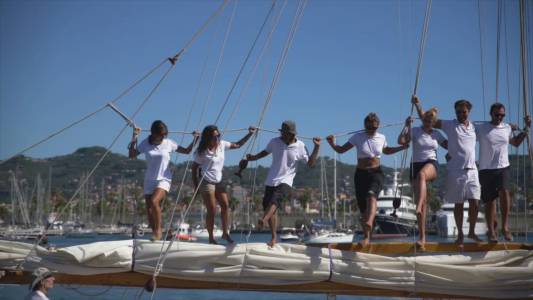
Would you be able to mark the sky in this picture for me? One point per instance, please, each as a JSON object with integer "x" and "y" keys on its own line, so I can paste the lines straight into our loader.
{"x": 61, "y": 60}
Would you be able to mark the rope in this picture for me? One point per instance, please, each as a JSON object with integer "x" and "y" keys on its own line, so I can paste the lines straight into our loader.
{"x": 199, "y": 31}
{"x": 77, "y": 290}
{"x": 481, "y": 58}
{"x": 498, "y": 49}
{"x": 243, "y": 65}
{"x": 263, "y": 50}
{"x": 525, "y": 95}
{"x": 86, "y": 178}
{"x": 220, "y": 58}
{"x": 425, "y": 29}
{"x": 162, "y": 257}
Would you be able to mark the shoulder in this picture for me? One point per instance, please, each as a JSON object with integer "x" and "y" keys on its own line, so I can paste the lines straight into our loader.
{"x": 225, "y": 144}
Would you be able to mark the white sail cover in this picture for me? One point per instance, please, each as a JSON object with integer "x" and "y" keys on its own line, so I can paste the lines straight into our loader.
{"x": 493, "y": 274}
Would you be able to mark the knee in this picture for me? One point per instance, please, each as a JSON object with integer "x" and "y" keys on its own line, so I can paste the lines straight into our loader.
{"x": 223, "y": 206}
{"x": 421, "y": 177}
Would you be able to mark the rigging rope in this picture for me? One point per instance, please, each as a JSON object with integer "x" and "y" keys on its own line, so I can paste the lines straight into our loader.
{"x": 244, "y": 63}
{"x": 498, "y": 50}
{"x": 481, "y": 58}
{"x": 525, "y": 94}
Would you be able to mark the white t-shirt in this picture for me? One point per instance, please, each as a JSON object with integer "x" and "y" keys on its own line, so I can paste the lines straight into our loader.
{"x": 461, "y": 144}
{"x": 212, "y": 162}
{"x": 425, "y": 145}
{"x": 368, "y": 146}
{"x": 36, "y": 295}
{"x": 284, "y": 159}
{"x": 158, "y": 159}
{"x": 493, "y": 145}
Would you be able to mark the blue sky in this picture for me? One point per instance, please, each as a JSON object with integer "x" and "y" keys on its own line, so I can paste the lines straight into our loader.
{"x": 60, "y": 60}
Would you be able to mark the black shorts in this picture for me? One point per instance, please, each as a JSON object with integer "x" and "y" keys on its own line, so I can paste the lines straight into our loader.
{"x": 367, "y": 183}
{"x": 415, "y": 167}
{"x": 275, "y": 195}
{"x": 493, "y": 181}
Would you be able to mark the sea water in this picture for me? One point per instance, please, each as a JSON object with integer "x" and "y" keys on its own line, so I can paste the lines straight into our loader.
{"x": 77, "y": 292}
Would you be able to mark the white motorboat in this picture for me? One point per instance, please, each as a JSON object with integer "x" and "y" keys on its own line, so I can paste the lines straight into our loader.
{"x": 446, "y": 223}
{"x": 200, "y": 232}
{"x": 288, "y": 234}
{"x": 396, "y": 210}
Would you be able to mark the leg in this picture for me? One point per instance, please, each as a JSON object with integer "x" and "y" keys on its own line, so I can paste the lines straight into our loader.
{"x": 149, "y": 211}
{"x": 369, "y": 219}
{"x": 269, "y": 213}
{"x": 427, "y": 173}
{"x": 505, "y": 205}
{"x": 458, "y": 216}
{"x": 472, "y": 219}
{"x": 222, "y": 198}
{"x": 490, "y": 215}
{"x": 210, "y": 205}
{"x": 273, "y": 222}
{"x": 155, "y": 201}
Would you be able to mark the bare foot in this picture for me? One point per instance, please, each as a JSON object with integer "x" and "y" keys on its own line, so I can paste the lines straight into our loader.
{"x": 491, "y": 238}
{"x": 474, "y": 237}
{"x": 272, "y": 243}
{"x": 227, "y": 238}
{"x": 213, "y": 242}
{"x": 460, "y": 241}
{"x": 421, "y": 245}
{"x": 260, "y": 224}
{"x": 507, "y": 235}
{"x": 364, "y": 242}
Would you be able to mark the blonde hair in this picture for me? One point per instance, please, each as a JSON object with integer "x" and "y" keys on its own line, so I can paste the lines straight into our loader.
{"x": 432, "y": 113}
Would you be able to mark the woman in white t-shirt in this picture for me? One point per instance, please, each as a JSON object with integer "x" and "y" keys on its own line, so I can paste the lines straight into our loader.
{"x": 424, "y": 165}
{"x": 368, "y": 178}
{"x": 207, "y": 172}
{"x": 157, "y": 178}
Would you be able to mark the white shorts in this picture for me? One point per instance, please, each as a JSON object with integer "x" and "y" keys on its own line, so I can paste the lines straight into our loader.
{"x": 151, "y": 185}
{"x": 462, "y": 185}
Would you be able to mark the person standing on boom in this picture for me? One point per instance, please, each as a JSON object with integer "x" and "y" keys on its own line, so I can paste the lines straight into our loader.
{"x": 368, "y": 178}
{"x": 157, "y": 149}
{"x": 424, "y": 165}
{"x": 286, "y": 151}
{"x": 494, "y": 137}
{"x": 207, "y": 172}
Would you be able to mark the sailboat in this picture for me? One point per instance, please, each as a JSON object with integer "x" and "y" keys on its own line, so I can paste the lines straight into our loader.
{"x": 387, "y": 269}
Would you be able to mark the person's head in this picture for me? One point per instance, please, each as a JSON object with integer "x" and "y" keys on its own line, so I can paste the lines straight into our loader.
{"x": 462, "y": 109}
{"x": 497, "y": 113}
{"x": 158, "y": 132}
{"x": 430, "y": 117}
{"x": 42, "y": 279}
{"x": 371, "y": 123}
{"x": 288, "y": 131}
{"x": 210, "y": 138}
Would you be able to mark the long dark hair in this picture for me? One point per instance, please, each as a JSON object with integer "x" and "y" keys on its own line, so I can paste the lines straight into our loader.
{"x": 207, "y": 133}
{"x": 159, "y": 128}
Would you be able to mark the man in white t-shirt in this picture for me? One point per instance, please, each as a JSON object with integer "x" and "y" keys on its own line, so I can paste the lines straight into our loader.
{"x": 462, "y": 183}
{"x": 494, "y": 168}
{"x": 286, "y": 152}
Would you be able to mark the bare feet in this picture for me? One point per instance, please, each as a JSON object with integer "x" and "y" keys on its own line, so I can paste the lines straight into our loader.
{"x": 460, "y": 240}
{"x": 421, "y": 245}
{"x": 213, "y": 242}
{"x": 260, "y": 224}
{"x": 272, "y": 243}
{"x": 507, "y": 235}
{"x": 227, "y": 237}
{"x": 491, "y": 237}
{"x": 474, "y": 237}
{"x": 364, "y": 242}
